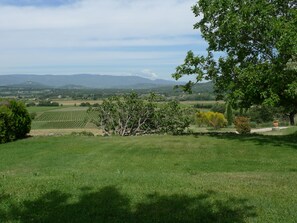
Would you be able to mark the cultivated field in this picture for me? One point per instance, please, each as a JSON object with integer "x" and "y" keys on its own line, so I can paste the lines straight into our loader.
{"x": 201, "y": 102}
{"x": 66, "y": 119}
{"x": 63, "y": 118}
{"x": 219, "y": 178}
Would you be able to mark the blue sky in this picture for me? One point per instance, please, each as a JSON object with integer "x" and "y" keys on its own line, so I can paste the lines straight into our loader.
{"x": 148, "y": 38}
{"x": 38, "y": 3}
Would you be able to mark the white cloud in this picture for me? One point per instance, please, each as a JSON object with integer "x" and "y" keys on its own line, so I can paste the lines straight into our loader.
{"x": 101, "y": 20}
{"x": 147, "y": 73}
{"x": 71, "y": 33}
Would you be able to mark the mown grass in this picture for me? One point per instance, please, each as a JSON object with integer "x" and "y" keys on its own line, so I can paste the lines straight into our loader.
{"x": 217, "y": 178}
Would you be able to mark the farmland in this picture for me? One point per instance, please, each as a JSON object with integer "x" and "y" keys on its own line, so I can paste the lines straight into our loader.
{"x": 77, "y": 117}
{"x": 63, "y": 118}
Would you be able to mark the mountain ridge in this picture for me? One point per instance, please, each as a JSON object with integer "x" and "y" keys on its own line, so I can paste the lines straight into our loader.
{"x": 85, "y": 80}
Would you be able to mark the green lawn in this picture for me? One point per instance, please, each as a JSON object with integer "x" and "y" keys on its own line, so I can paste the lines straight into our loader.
{"x": 219, "y": 178}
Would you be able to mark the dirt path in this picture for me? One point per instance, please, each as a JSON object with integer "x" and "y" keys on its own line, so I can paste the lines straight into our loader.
{"x": 53, "y": 132}
{"x": 265, "y": 129}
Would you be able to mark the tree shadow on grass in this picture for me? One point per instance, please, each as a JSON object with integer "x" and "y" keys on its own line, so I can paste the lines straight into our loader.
{"x": 109, "y": 205}
{"x": 263, "y": 140}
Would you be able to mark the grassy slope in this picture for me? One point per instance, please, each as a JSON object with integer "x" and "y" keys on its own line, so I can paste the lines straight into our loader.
{"x": 149, "y": 179}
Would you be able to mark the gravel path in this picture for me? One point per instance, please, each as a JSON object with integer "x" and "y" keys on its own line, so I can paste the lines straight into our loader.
{"x": 265, "y": 129}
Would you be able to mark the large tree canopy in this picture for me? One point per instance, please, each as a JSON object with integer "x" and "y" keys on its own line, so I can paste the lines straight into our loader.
{"x": 252, "y": 51}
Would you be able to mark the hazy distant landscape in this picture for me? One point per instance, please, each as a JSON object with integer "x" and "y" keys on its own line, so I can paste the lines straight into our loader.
{"x": 83, "y": 81}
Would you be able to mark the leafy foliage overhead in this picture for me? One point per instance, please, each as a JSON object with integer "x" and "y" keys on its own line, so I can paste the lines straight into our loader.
{"x": 252, "y": 48}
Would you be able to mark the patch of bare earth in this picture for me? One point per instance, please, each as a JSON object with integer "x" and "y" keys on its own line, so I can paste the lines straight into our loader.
{"x": 55, "y": 132}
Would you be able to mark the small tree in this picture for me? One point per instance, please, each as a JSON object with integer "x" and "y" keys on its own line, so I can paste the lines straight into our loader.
{"x": 229, "y": 114}
{"x": 128, "y": 115}
{"x": 131, "y": 115}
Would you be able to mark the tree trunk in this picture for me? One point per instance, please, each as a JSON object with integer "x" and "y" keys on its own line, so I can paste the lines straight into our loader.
{"x": 292, "y": 116}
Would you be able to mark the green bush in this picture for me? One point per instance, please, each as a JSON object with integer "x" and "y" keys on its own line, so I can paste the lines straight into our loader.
{"x": 6, "y": 127}
{"x": 217, "y": 107}
{"x": 85, "y": 104}
{"x": 242, "y": 125}
{"x": 172, "y": 118}
{"x": 200, "y": 119}
{"x": 15, "y": 121}
{"x": 261, "y": 114}
{"x": 212, "y": 119}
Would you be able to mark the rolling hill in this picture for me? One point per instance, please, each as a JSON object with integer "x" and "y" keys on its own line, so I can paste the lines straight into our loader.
{"x": 84, "y": 80}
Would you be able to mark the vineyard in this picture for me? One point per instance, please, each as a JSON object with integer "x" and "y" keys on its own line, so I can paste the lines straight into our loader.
{"x": 63, "y": 119}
